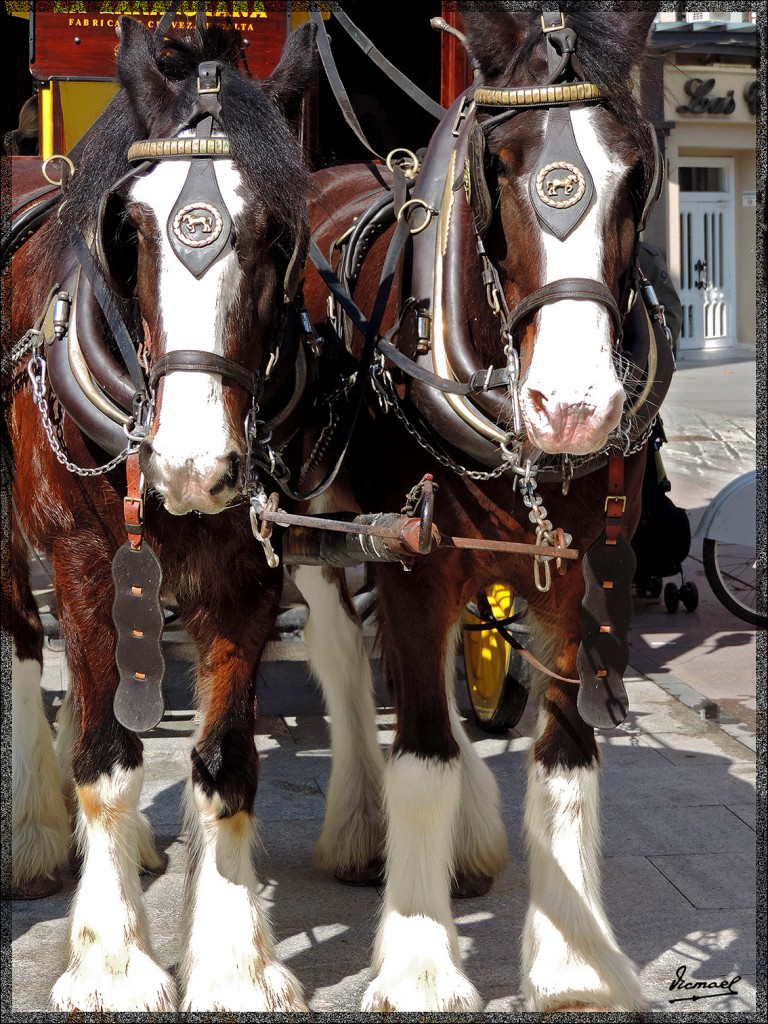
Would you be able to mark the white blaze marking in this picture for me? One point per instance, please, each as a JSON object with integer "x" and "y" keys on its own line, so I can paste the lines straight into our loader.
{"x": 193, "y": 427}
{"x": 572, "y": 354}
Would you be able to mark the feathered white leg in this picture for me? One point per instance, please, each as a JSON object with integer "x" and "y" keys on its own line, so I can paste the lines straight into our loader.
{"x": 570, "y": 955}
{"x": 39, "y": 819}
{"x": 352, "y": 838}
{"x": 111, "y": 963}
{"x": 230, "y": 962}
{"x": 417, "y": 960}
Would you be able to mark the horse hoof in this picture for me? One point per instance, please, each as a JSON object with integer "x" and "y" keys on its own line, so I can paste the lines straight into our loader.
{"x": 371, "y": 873}
{"x": 465, "y": 886}
{"x": 157, "y": 867}
{"x": 38, "y": 888}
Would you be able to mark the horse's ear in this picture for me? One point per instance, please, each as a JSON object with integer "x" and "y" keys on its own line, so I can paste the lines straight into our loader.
{"x": 494, "y": 34}
{"x": 137, "y": 68}
{"x": 295, "y": 71}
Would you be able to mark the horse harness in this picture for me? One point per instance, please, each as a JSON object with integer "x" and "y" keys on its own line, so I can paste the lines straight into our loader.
{"x": 465, "y": 413}
{"x": 454, "y": 394}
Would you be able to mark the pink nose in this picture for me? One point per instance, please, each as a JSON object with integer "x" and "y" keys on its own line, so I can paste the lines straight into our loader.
{"x": 578, "y": 427}
{"x": 192, "y": 486}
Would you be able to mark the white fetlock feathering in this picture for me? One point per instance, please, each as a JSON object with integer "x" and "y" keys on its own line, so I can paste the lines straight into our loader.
{"x": 417, "y": 956}
{"x": 353, "y": 831}
{"x": 570, "y": 954}
{"x": 39, "y": 817}
{"x": 481, "y": 838}
{"x": 230, "y": 962}
{"x": 111, "y": 963}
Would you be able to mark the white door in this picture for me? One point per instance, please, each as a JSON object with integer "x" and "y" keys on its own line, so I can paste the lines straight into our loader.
{"x": 707, "y": 253}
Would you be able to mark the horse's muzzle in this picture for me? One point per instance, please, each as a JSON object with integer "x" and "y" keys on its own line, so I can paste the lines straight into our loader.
{"x": 574, "y": 427}
{"x": 197, "y": 485}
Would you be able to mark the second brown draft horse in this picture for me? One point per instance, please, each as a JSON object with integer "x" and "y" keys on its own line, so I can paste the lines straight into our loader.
{"x": 529, "y": 406}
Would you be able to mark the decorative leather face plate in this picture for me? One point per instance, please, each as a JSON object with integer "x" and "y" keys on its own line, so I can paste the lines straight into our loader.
{"x": 198, "y": 225}
{"x": 561, "y": 184}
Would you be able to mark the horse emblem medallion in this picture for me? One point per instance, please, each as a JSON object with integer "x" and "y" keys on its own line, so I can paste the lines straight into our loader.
{"x": 572, "y": 185}
{"x": 197, "y": 225}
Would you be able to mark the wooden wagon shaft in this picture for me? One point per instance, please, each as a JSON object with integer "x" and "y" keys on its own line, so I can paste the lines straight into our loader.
{"x": 402, "y": 533}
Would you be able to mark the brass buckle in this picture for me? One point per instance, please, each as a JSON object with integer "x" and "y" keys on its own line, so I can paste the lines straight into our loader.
{"x": 616, "y": 497}
{"x": 552, "y": 28}
{"x": 134, "y": 502}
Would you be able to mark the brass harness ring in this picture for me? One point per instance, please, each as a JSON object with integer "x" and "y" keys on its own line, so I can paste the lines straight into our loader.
{"x": 57, "y": 156}
{"x": 430, "y": 212}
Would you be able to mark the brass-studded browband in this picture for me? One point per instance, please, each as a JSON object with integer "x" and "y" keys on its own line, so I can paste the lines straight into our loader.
{"x": 539, "y": 96}
{"x": 169, "y": 149}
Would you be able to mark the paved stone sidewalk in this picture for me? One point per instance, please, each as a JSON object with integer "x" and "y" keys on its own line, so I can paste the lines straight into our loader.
{"x": 679, "y": 877}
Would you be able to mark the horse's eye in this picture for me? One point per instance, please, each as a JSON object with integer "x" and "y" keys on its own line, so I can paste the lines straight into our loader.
{"x": 497, "y": 167}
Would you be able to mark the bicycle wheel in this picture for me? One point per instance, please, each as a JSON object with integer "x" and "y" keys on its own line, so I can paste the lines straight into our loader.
{"x": 731, "y": 571}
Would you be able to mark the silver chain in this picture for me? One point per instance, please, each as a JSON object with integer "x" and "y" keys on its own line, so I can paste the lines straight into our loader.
{"x": 388, "y": 400}
{"x": 21, "y": 347}
{"x": 37, "y": 375}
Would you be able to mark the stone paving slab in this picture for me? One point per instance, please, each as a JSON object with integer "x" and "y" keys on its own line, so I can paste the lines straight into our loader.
{"x": 678, "y": 822}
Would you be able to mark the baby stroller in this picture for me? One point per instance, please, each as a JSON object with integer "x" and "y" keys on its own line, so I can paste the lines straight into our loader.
{"x": 663, "y": 537}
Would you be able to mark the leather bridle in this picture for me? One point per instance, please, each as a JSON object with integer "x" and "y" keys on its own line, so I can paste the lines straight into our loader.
{"x": 200, "y": 195}
{"x": 558, "y": 216}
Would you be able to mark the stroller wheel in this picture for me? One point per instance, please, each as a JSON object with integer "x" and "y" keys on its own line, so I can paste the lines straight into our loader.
{"x": 689, "y": 595}
{"x": 654, "y": 586}
{"x": 671, "y": 597}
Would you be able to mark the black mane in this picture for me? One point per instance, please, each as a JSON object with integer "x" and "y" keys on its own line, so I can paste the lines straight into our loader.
{"x": 264, "y": 148}
{"x": 607, "y": 58}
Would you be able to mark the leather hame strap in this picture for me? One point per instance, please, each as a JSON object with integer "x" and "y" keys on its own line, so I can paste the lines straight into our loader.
{"x": 394, "y": 74}
{"x": 616, "y": 501}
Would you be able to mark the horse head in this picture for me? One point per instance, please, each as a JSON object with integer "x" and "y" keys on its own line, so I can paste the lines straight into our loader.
{"x": 202, "y": 232}
{"x": 571, "y": 161}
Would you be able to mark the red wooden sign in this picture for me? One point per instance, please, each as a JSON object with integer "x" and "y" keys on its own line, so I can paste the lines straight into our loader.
{"x": 77, "y": 39}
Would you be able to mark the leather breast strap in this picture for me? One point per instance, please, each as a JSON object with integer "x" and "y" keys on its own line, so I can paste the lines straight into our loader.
{"x": 192, "y": 360}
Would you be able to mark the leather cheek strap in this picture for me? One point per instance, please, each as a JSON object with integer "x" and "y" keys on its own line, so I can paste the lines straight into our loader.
{"x": 191, "y": 361}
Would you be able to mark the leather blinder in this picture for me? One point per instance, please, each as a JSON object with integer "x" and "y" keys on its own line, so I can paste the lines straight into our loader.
{"x": 475, "y": 182}
{"x": 115, "y": 245}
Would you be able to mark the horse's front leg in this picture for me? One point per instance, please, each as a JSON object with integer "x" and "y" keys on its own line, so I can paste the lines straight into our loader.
{"x": 416, "y": 959}
{"x": 352, "y": 840}
{"x": 111, "y": 963}
{"x": 40, "y": 822}
{"x": 230, "y": 962}
{"x": 571, "y": 960}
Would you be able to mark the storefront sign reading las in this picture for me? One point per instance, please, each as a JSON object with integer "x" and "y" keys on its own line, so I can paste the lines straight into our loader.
{"x": 702, "y": 101}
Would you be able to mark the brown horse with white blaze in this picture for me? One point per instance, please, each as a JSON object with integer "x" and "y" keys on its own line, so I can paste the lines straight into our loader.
{"x": 513, "y": 279}
{"x": 208, "y": 312}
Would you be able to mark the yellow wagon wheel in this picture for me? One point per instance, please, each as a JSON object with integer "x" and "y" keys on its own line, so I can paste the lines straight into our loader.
{"x": 497, "y": 677}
